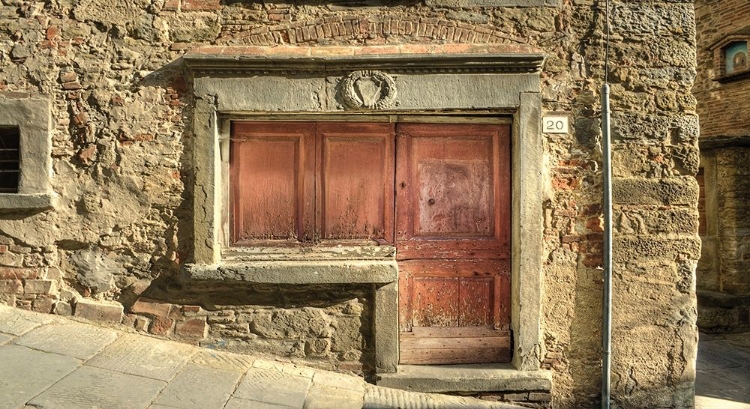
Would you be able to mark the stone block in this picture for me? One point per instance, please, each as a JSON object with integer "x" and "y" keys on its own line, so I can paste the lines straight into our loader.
{"x": 151, "y": 308}
{"x": 646, "y": 248}
{"x": 141, "y": 324}
{"x": 191, "y": 309}
{"x": 200, "y": 5}
{"x": 673, "y": 191}
{"x": 98, "y": 311}
{"x": 40, "y": 286}
{"x": 540, "y": 397}
{"x": 291, "y": 324}
{"x": 11, "y": 286}
{"x": 9, "y": 273}
{"x": 68, "y": 76}
{"x": 516, "y": 396}
{"x": 171, "y": 5}
{"x": 221, "y": 317}
{"x": 63, "y": 308}
{"x": 8, "y": 299}
{"x": 347, "y": 335}
{"x": 95, "y": 269}
{"x": 196, "y": 328}
{"x": 161, "y": 326}
{"x": 42, "y": 304}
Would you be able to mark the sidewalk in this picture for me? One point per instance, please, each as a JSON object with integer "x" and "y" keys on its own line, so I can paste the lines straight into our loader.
{"x": 51, "y": 362}
{"x": 723, "y": 372}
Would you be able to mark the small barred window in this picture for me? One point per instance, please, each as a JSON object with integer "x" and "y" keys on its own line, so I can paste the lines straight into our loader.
{"x": 10, "y": 158}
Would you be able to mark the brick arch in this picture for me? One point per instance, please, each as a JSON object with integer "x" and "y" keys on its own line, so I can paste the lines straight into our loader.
{"x": 366, "y": 31}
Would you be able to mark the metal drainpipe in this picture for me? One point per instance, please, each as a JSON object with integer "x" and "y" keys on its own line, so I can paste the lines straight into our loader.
{"x": 607, "y": 250}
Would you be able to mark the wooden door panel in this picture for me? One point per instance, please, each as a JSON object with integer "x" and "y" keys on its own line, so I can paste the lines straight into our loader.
{"x": 475, "y": 302}
{"x": 454, "y": 199}
{"x": 435, "y": 301}
{"x": 454, "y": 346}
{"x": 355, "y": 174}
{"x": 454, "y": 293}
{"x": 453, "y": 191}
{"x": 271, "y": 188}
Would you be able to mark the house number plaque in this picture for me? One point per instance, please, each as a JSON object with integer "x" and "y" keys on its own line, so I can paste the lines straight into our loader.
{"x": 555, "y": 124}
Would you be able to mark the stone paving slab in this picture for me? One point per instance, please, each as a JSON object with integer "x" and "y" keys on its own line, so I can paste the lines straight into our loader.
{"x": 71, "y": 338}
{"x": 722, "y": 354}
{"x": 24, "y": 373}
{"x": 285, "y": 367}
{"x": 734, "y": 378}
{"x": 143, "y": 356}
{"x": 227, "y": 361}
{"x": 707, "y": 402}
{"x": 4, "y": 339}
{"x": 18, "y": 322}
{"x": 723, "y": 372}
{"x": 271, "y": 386}
{"x": 336, "y": 380}
{"x": 90, "y": 387}
{"x": 198, "y": 387}
{"x": 327, "y": 397}
{"x": 237, "y": 403}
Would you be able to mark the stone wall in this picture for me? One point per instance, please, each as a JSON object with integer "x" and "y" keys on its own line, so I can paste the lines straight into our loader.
{"x": 724, "y": 269}
{"x": 122, "y": 172}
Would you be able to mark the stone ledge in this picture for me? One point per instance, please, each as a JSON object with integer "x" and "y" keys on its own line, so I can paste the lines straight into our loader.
{"x": 466, "y": 378}
{"x": 721, "y": 300}
{"x": 296, "y": 272}
{"x": 410, "y": 57}
{"x": 18, "y": 201}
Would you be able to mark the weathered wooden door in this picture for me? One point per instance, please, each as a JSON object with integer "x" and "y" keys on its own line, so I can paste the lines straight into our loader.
{"x": 452, "y": 238}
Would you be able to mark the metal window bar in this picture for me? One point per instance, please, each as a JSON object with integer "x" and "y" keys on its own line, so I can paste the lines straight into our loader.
{"x": 10, "y": 158}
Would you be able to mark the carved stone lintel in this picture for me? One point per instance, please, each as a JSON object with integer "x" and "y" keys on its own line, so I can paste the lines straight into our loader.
{"x": 367, "y": 89}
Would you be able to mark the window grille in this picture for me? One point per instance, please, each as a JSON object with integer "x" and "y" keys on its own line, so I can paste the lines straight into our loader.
{"x": 10, "y": 159}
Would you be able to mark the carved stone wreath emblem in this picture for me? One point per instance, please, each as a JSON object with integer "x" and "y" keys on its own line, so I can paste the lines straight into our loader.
{"x": 368, "y": 89}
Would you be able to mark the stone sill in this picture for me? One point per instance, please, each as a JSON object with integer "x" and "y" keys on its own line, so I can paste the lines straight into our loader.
{"x": 466, "y": 378}
{"x": 296, "y": 272}
{"x": 320, "y": 252}
{"x": 25, "y": 201}
{"x": 735, "y": 76}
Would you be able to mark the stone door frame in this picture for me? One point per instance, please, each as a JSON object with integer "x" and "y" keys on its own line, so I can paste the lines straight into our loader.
{"x": 435, "y": 81}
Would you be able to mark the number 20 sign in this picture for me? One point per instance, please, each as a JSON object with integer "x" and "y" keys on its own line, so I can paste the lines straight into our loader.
{"x": 555, "y": 124}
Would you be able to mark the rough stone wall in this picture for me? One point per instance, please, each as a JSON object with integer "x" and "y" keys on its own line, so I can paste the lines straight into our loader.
{"x": 121, "y": 167}
{"x": 724, "y": 268}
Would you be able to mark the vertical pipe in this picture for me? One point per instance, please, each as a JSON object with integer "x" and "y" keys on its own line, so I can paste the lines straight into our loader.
{"x": 607, "y": 250}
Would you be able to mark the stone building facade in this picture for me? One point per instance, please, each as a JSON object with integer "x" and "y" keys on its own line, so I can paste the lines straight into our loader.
{"x": 122, "y": 211}
{"x": 724, "y": 268}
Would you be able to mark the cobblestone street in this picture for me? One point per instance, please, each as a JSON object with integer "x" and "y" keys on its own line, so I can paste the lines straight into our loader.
{"x": 723, "y": 378}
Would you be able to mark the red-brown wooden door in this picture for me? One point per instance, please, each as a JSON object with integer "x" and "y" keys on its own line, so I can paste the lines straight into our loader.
{"x": 452, "y": 239}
